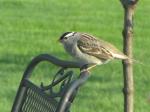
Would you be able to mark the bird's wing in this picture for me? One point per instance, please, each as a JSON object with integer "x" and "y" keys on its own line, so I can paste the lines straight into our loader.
{"x": 90, "y": 45}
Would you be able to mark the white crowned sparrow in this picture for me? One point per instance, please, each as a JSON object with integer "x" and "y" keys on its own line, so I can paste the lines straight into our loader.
{"x": 88, "y": 50}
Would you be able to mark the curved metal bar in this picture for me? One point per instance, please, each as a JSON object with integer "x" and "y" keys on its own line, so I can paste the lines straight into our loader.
{"x": 51, "y": 59}
{"x": 65, "y": 102}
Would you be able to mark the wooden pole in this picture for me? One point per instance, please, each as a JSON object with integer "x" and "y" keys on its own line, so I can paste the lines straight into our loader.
{"x": 129, "y": 7}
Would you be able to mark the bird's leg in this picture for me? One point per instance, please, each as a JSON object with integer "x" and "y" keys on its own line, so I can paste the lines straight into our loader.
{"x": 83, "y": 70}
{"x": 89, "y": 67}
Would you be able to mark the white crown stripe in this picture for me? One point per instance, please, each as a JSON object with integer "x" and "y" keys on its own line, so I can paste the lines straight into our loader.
{"x": 70, "y": 34}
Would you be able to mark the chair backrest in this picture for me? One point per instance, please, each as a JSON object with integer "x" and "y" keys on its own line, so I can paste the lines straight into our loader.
{"x": 33, "y": 98}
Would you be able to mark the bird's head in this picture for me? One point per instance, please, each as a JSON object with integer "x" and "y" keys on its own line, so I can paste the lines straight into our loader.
{"x": 68, "y": 38}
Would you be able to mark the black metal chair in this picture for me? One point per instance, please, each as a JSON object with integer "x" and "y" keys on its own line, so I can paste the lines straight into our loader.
{"x": 33, "y": 98}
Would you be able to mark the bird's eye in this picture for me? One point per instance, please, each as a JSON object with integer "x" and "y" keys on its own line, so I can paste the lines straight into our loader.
{"x": 65, "y": 38}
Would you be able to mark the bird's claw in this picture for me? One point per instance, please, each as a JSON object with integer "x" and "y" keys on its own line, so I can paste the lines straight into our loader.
{"x": 84, "y": 70}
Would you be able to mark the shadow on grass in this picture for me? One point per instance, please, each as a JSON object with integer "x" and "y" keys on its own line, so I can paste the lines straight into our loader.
{"x": 14, "y": 63}
{"x": 11, "y": 58}
{"x": 14, "y": 58}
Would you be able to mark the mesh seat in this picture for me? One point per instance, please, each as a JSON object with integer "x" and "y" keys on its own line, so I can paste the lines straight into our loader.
{"x": 37, "y": 101}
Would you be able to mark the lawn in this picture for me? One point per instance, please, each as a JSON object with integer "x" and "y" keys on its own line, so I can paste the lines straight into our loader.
{"x": 32, "y": 27}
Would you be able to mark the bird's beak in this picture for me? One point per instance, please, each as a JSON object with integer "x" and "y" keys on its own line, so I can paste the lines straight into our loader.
{"x": 59, "y": 40}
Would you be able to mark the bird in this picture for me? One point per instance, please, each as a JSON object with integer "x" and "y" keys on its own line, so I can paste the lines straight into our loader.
{"x": 89, "y": 50}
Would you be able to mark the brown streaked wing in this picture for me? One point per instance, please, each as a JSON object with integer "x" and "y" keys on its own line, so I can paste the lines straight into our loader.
{"x": 104, "y": 44}
{"x": 91, "y": 47}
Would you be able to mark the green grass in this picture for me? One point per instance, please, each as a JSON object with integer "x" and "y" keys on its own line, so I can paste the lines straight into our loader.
{"x": 32, "y": 27}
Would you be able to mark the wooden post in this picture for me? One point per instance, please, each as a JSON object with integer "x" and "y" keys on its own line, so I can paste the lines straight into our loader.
{"x": 129, "y": 6}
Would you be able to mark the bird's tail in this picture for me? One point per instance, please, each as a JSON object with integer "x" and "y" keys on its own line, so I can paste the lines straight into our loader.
{"x": 120, "y": 56}
{"x": 136, "y": 61}
{"x": 124, "y": 57}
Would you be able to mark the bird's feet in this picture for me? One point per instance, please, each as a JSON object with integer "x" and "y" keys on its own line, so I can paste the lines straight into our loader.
{"x": 87, "y": 68}
{"x": 84, "y": 70}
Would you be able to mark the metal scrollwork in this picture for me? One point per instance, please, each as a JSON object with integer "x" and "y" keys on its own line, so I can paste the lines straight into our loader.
{"x": 62, "y": 78}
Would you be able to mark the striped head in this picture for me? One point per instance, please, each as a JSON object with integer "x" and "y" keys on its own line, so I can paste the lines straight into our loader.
{"x": 68, "y": 37}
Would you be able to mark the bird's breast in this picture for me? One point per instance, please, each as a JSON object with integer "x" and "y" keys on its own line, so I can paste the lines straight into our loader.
{"x": 70, "y": 49}
{"x": 81, "y": 57}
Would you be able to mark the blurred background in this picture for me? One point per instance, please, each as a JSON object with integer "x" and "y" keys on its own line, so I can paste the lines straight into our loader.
{"x": 31, "y": 27}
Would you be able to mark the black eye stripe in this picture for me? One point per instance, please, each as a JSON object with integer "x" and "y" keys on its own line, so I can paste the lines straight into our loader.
{"x": 74, "y": 33}
{"x": 66, "y": 33}
{"x": 65, "y": 38}
{"x": 63, "y": 35}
